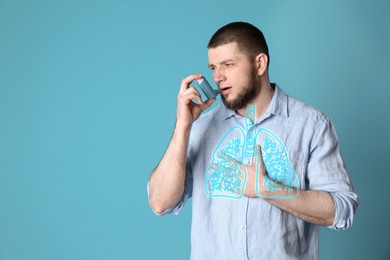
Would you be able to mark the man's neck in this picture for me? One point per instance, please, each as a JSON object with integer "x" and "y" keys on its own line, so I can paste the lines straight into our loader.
{"x": 262, "y": 100}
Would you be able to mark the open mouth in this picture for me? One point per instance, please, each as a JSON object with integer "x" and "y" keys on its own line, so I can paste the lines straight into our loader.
{"x": 225, "y": 90}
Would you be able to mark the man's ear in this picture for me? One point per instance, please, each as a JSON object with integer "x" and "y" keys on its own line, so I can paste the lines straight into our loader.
{"x": 261, "y": 63}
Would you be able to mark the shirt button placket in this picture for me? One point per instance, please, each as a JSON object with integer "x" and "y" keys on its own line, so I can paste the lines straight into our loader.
{"x": 242, "y": 242}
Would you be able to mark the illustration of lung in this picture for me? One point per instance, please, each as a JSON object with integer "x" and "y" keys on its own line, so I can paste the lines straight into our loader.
{"x": 277, "y": 163}
{"x": 226, "y": 177}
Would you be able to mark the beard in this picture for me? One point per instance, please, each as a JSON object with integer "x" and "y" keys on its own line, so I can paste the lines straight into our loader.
{"x": 249, "y": 93}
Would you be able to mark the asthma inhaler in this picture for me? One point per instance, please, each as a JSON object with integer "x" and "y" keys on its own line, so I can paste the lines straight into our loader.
{"x": 207, "y": 89}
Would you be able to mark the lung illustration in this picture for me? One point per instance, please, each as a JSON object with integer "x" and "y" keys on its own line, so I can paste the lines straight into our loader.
{"x": 226, "y": 176}
{"x": 277, "y": 164}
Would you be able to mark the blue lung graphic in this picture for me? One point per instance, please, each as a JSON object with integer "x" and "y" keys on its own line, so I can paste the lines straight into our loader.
{"x": 277, "y": 163}
{"x": 226, "y": 177}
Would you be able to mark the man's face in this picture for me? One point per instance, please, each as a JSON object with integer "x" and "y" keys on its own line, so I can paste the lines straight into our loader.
{"x": 234, "y": 74}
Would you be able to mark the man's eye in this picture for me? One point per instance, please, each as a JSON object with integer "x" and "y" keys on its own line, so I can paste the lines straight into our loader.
{"x": 229, "y": 64}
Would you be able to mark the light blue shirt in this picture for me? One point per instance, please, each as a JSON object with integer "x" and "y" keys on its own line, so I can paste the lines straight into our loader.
{"x": 301, "y": 150}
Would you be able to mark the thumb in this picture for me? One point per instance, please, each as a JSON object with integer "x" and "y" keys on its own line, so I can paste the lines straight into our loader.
{"x": 258, "y": 152}
{"x": 259, "y": 157}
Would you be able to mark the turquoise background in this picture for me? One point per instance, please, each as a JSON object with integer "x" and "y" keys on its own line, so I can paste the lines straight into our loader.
{"x": 88, "y": 101}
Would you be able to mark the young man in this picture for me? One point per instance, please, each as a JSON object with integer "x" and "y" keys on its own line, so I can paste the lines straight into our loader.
{"x": 263, "y": 169}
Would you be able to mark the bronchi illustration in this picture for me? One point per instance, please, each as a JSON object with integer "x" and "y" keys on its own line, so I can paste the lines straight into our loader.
{"x": 225, "y": 178}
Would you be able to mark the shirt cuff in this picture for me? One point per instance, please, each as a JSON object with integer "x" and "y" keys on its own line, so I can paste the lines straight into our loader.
{"x": 346, "y": 204}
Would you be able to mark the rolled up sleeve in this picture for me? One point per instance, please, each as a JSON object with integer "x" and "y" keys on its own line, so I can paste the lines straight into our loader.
{"x": 346, "y": 204}
{"x": 327, "y": 171}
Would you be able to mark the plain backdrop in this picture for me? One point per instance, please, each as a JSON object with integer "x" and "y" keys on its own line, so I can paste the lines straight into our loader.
{"x": 88, "y": 101}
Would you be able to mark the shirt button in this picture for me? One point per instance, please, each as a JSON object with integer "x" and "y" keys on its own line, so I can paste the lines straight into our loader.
{"x": 242, "y": 227}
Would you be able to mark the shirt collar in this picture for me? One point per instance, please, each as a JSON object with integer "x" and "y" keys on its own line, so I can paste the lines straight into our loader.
{"x": 279, "y": 102}
{"x": 278, "y": 105}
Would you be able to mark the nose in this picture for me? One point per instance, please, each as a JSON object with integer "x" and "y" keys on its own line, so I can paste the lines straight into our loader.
{"x": 219, "y": 75}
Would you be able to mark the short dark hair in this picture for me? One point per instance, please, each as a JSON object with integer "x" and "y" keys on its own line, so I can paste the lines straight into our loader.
{"x": 249, "y": 39}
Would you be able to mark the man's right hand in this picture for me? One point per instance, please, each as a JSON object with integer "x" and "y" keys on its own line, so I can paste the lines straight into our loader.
{"x": 187, "y": 110}
{"x": 166, "y": 184}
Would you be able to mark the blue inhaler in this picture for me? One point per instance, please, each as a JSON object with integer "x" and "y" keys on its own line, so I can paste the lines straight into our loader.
{"x": 206, "y": 88}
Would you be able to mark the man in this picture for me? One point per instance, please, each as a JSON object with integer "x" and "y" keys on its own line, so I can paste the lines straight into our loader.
{"x": 263, "y": 169}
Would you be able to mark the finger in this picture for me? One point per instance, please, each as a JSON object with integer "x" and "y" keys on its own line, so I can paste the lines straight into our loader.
{"x": 217, "y": 166}
{"x": 192, "y": 94}
{"x": 230, "y": 158}
{"x": 185, "y": 83}
{"x": 207, "y": 103}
